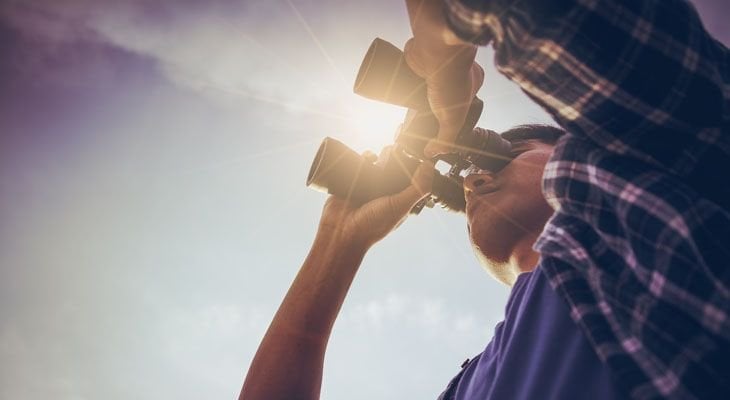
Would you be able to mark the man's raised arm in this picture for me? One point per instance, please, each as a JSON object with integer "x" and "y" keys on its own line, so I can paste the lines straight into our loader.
{"x": 288, "y": 364}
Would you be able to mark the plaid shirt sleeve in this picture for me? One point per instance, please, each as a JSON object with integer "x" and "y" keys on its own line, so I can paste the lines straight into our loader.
{"x": 640, "y": 240}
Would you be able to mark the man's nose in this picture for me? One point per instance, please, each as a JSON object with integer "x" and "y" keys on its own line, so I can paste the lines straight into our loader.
{"x": 478, "y": 182}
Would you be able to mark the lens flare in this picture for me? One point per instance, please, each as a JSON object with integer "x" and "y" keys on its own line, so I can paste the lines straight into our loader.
{"x": 374, "y": 124}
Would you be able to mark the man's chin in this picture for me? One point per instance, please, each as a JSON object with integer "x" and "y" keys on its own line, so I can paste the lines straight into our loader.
{"x": 491, "y": 252}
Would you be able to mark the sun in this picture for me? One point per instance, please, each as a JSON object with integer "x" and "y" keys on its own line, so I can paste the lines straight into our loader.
{"x": 372, "y": 125}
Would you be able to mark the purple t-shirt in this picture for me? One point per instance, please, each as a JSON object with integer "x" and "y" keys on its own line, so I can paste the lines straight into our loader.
{"x": 537, "y": 352}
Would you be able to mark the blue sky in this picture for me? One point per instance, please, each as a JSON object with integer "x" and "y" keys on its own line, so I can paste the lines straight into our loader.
{"x": 152, "y": 165}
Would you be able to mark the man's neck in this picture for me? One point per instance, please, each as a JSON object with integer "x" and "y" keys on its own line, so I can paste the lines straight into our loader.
{"x": 523, "y": 259}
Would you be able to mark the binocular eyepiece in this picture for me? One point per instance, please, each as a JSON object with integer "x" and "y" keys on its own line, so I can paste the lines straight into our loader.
{"x": 385, "y": 76}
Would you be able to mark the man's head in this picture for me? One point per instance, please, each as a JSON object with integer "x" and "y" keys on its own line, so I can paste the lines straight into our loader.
{"x": 506, "y": 211}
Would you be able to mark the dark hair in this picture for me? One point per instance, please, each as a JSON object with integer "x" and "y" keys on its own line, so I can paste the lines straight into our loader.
{"x": 544, "y": 133}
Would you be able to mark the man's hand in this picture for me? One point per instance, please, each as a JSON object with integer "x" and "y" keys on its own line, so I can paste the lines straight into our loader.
{"x": 447, "y": 64}
{"x": 363, "y": 226}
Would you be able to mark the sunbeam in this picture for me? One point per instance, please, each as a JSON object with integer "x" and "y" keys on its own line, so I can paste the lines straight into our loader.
{"x": 270, "y": 55}
{"x": 317, "y": 42}
{"x": 205, "y": 83}
{"x": 245, "y": 158}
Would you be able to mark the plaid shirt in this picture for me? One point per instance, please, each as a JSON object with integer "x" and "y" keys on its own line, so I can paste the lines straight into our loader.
{"x": 639, "y": 244}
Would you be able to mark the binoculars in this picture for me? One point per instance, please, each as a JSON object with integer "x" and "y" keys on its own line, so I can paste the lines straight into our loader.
{"x": 384, "y": 76}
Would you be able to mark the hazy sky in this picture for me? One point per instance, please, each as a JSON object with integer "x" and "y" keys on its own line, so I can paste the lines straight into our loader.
{"x": 153, "y": 210}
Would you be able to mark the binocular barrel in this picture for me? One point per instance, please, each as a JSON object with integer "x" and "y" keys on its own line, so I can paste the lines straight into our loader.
{"x": 340, "y": 171}
{"x": 385, "y": 76}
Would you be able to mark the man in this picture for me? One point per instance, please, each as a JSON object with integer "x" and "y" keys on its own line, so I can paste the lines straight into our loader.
{"x": 639, "y": 241}
{"x": 537, "y": 352}
{"x": 505, "y": 211}
{"x": 636, "y": 248}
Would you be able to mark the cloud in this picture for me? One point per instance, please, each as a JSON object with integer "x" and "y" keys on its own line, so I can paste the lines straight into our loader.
{"x": 286, "y": 57}
{"x": 253, "y": 50}
{"x": 48, "y": 21}
{"x": 213, "y": 322}
{"x": 280, "y": 58}
{"x": 428, "y": 315}
{"x": 52, "y": 46}
{"x": 374, "y": 313}
{"x": 260, "y": 50}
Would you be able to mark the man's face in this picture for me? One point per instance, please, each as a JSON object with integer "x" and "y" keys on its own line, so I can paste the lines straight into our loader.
{"x": 506, "y": 210}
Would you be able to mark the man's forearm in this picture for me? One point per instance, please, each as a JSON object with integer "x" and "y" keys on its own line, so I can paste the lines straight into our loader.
{"x": 289, "y": 361}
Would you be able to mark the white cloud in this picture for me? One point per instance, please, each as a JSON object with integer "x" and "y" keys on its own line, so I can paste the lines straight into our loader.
{"x": 431, "y": 313}
{"x": 238, "y": 53}
{"x": 430, "y": 316}
{"x": 374, "y": 313}
{"x": 465, "y": 323}
{"x": 223, "y": 47}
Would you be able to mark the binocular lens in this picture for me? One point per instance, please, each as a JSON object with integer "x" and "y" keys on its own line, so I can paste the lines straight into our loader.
{"x": 339, "y": 170}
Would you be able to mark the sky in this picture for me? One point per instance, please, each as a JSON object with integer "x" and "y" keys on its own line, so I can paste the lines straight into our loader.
{"x": 153, "y": 207}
